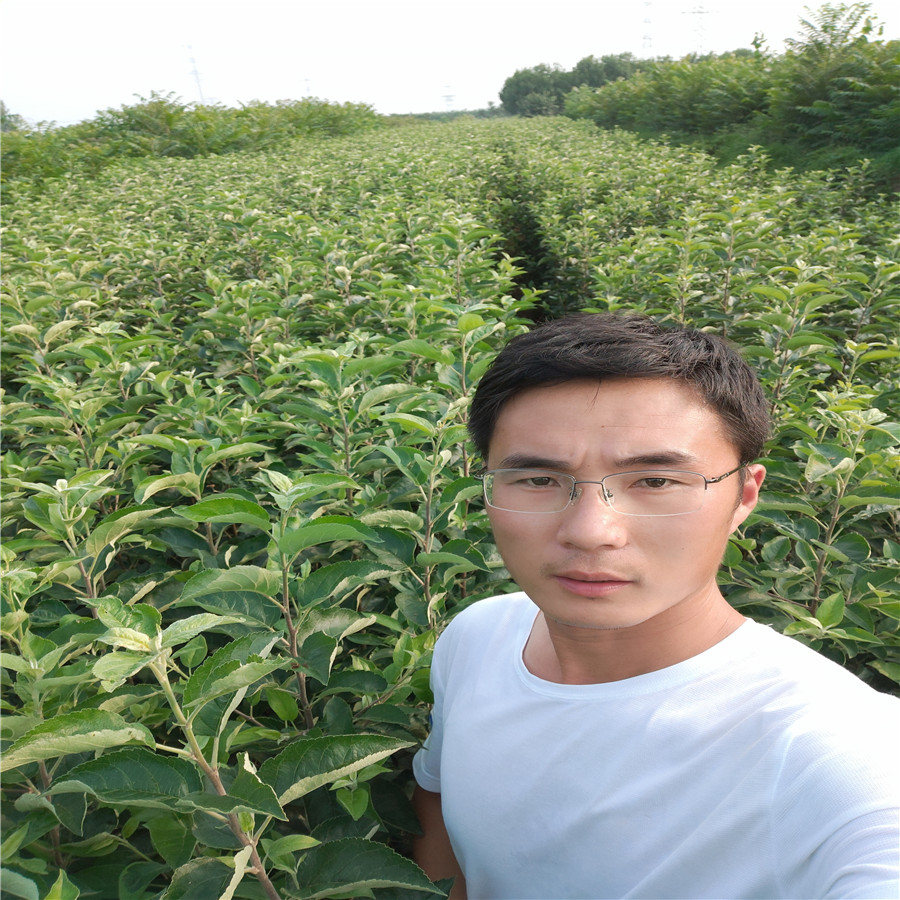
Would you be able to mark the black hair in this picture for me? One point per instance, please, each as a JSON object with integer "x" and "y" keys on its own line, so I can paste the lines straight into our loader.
{"x": 606, "y": 345}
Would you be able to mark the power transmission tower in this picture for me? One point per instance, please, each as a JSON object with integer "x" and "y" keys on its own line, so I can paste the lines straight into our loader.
{"x": 196, "y": 75}
{"x": 647, "y": 42}
{"x": 700, "y": 30}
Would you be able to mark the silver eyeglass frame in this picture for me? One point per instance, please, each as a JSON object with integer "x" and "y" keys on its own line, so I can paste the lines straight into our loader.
{"x": 608, "y": 498}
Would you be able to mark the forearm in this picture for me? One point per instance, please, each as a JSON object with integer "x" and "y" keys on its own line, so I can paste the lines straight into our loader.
{"x": 433, "y": 851}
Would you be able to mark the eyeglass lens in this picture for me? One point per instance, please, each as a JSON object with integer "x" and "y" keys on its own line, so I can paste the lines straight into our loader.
{"x": 656, "y": 492}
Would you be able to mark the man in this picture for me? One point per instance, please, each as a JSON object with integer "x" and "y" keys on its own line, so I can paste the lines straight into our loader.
{"x": 617, "y": 729}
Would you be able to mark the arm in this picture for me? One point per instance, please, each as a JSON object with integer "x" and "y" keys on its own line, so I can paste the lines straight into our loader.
{"x": 432, "y": 851}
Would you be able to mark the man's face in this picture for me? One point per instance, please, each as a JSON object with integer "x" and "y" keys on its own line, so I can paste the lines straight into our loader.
{"x": 590, "y": 566}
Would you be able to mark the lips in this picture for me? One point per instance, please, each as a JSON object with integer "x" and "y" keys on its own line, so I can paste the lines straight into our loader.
{"x": 590, "y": 584}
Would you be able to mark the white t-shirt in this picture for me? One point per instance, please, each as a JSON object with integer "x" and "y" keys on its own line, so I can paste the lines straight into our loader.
{"x": 757, "y": 769}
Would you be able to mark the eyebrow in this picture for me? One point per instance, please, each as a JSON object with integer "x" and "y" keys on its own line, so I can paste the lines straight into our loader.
{"x": 655, "y": 458}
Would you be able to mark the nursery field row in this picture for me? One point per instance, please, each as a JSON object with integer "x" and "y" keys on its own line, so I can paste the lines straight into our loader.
{"x": 239, "y": 501}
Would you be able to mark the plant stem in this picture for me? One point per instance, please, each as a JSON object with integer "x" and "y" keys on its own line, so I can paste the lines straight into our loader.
{"x": 212, "y": 774}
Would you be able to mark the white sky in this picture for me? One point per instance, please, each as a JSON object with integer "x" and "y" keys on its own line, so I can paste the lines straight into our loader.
{"x": 63, "y": 60}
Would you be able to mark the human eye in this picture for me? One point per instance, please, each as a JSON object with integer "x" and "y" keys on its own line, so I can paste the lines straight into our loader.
{"x": 656, "y": 482}
{"x": 532, "y": 481}
{"x": 539, "y": 480}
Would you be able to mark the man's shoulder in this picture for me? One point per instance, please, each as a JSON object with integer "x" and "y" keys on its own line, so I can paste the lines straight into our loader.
{"x": 785, "y": 658}
{"x": 491, "y": 619}
{"x": 497, "y": 607}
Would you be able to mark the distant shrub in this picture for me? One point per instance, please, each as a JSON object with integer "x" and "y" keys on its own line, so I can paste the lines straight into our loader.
{"x": 164, "y": 126}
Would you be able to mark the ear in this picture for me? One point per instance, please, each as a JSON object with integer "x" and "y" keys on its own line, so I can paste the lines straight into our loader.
{"x": 754, "y": 476}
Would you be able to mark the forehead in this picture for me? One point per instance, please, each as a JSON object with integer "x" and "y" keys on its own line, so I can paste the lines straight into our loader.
{"x": 618, "y": 419}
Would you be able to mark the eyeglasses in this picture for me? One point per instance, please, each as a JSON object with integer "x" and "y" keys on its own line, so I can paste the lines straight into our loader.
{"x": 649, "y": 492}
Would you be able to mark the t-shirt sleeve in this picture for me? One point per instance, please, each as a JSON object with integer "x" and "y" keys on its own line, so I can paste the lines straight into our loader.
{"x": 836, "y": 812}
{"x": 427, "y": 761}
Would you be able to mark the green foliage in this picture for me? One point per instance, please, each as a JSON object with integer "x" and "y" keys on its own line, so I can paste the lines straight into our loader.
{"x": 832, "y": 99}
{"x": 541, "y": 90}
{"x": 238, "y": 499}
{"x": 693, "y": 96}
{"x": 161, "y": 126}
{"x": 836, "y": 85}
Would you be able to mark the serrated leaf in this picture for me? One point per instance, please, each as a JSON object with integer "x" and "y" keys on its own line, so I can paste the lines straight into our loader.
{"x": 310, "y": 763}
{"x": 246, "y": 793}
{"x": 333, "y": 581}
{"x": 248, "y": 448}
{"x": 438, "y": 557}
{"x": 184, "y": 629}
{"x": 888, "y": 669}
{"x": 410, "y": 422}
{"x": 115, "y": 667}
{"x": 133, "y": 777}
{"x": 114, "y": 528}
{"x": 62, "y": 889}
{"x": 317, "y": 655}
{"x": 243, "y": 591}
{"x": 185, "y": 483}
{"x": 211, "y": 716}
{"x": 17, "y": 885}
{"x": 830, "y": 611}
{"x": 382, "y": 394}
{"x": 228, "y": 678}
{"x": 200, "y": 879}
{"x": 352, "y": 867}
{"x": 60, "y": 328}
{"x": 172, "y": 839}
{"x": 226, "y": 510}
{"x": 75, "y": 732}
{"x": 393, "y": 518}
{"x": 322, "y": 531}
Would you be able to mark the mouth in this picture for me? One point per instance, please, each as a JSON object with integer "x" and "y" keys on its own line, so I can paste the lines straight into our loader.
{"x": 586, "y": 584}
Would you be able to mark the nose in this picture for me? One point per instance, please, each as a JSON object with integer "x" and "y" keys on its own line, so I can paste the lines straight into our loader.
{"x": 590, "y": 522}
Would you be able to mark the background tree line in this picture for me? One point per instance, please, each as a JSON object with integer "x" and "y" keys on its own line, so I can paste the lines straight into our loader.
{"x": 831, "y": 99}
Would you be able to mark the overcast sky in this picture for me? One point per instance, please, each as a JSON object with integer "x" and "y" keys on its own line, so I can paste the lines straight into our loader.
{"x": 63, "y": 60}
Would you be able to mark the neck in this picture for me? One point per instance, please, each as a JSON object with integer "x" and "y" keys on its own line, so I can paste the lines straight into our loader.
{"x": 569, "y": 654}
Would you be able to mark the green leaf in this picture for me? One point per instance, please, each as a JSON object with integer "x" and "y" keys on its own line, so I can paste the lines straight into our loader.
{"x": 853, "y": 547}
{"x": 206, "y": 685}
{"x": 352, "y": 867}
{"x": 888, "y": 669}
{"x": 394, "y": 518}
{"x": 200, "y": 879}
{"x": 355, "y": 801}
{"x": 332, "y": 581}
{"x": 115, "y": 527}
{"x": 469, "y": 322}
{"x": 418, "y": 347}
{"x": 115, "y": 667}
{"x": 830, "y": 611}
{"x": 283, "y": 704}
{"x": 17, "y": 885}
{"x": 438, "y": 557}
{"x": 133, "y": 777}
{"x": 246, "y": 449}
{"x": 411, "y": 423}
{"x": 184, "y": 629}
{"x": 187, "y": 483}
{"x": 229, "y": 510}
{"x": 243, "y": 591}
{"x": 75, "y": 732}
{"x": 382, "y": 394}
{"x": 281, "y": 852}
{"x": 62, "y": 889}
{"x": 317, "y": 655}
{"x": 323, "y": 531}
{"x": 310, "y": 763}
{"x": 172, "y": 839}
{"x": 224, "y": 661}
